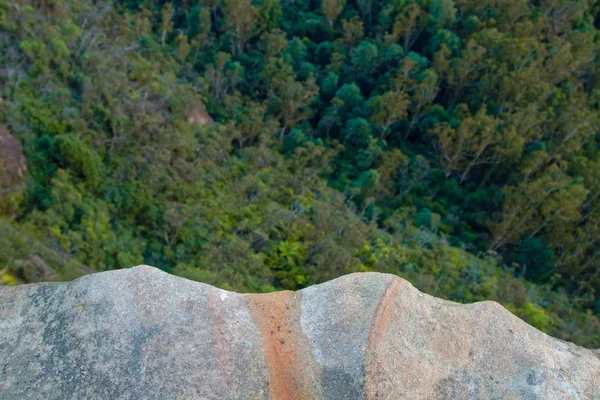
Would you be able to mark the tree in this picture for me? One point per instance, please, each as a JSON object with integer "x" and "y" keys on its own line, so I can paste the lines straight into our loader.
{"x": 332, "y": 8}
{"x": 536, "y": 259}
{"x": 407, "y": 24}
{"x": 421, "y": 84}
{"x": 270, "y": 14}
{"x": 274, "y": 42}
{"x": 442, "y": 13}
{"x": 183, "y": 48}
{"x": 558, "y": 14}
{"x": 288, "y": 98}
{"x": 241, "y": 21}
{"x": 364, "y": 57}
{"x": 424, "y": 94}
{"x": 388, "y": 109}
{"x": 357, "y": 132}
{"x": 479, "y": 140}
{"x": 249, "y": 119}
{"x": 546, "y": 201}
{"x": 475, "y": 119}
{"x": 81, "y": 158}
{"x": 347, "y": 99}
{"x": 466, "y": 69}
{"x": 353, "y": 30}
{"x": 222, "y": 75}
{"x": 166, "y": 14}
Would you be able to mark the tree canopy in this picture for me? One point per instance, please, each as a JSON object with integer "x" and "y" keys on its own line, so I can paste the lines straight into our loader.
{"x": 260, "y": 145}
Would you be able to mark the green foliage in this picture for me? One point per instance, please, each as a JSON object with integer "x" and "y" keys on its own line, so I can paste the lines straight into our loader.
{"x": 442, "y": 12}
{"x": 81, "y": 158}
{"x": 534, "y": 315}
{"x": 536, "y": 259}
{"x": 348, "y": 97}
{"x": 332, "y": 8}
{"x": 454, "y": 143}
{"x": 364, "y": 57}
{"x": 428, "y": 220}
{"x": 357, "y": 132}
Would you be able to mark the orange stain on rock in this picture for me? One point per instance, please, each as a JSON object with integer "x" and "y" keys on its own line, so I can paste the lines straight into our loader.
{"x": 380, "y": 324}
{"x": 287, "y": 352}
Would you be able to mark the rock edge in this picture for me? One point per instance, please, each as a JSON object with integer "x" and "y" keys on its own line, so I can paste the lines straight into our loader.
{"x": 141, "y": 333}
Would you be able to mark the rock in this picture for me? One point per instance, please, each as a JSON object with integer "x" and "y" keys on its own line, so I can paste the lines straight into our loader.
{"x": 12, "y": 172}
{"x": 200, "y": 117}
{"x": 12, "y": 160}
{"x": 143, "y": 334}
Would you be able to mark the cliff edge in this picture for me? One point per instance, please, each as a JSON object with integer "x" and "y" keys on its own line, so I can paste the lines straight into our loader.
{"x": 143, "y": 334}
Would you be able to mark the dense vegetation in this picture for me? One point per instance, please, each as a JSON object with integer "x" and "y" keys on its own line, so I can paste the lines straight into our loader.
{"x": 452, "y": 142}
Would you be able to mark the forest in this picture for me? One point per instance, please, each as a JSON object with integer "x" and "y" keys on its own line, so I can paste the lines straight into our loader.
{"x": 262, "y": 145}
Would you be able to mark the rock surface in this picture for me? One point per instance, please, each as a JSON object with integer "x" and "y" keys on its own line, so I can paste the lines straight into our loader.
{"x": 143, "y": 334}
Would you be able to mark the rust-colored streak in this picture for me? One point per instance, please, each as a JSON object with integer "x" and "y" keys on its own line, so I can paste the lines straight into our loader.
{"x": 380, "y": 324}
{"x": 287, "y": 355}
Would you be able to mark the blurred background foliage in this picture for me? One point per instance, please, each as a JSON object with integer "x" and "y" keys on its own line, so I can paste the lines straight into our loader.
{"x": 261, "y": 145}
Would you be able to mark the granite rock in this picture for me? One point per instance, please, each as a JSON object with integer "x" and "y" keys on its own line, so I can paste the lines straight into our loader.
{"x": 143, "y": 334}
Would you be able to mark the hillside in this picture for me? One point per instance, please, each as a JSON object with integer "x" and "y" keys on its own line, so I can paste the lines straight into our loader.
{"x": 266, "y": 145}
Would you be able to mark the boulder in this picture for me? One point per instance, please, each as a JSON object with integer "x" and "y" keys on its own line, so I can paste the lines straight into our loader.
{"x": 143, "y": 334}
{"x": 200, "y": 117}
{"x": 13, "y": 168}
{"x": 12, "y": 160}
